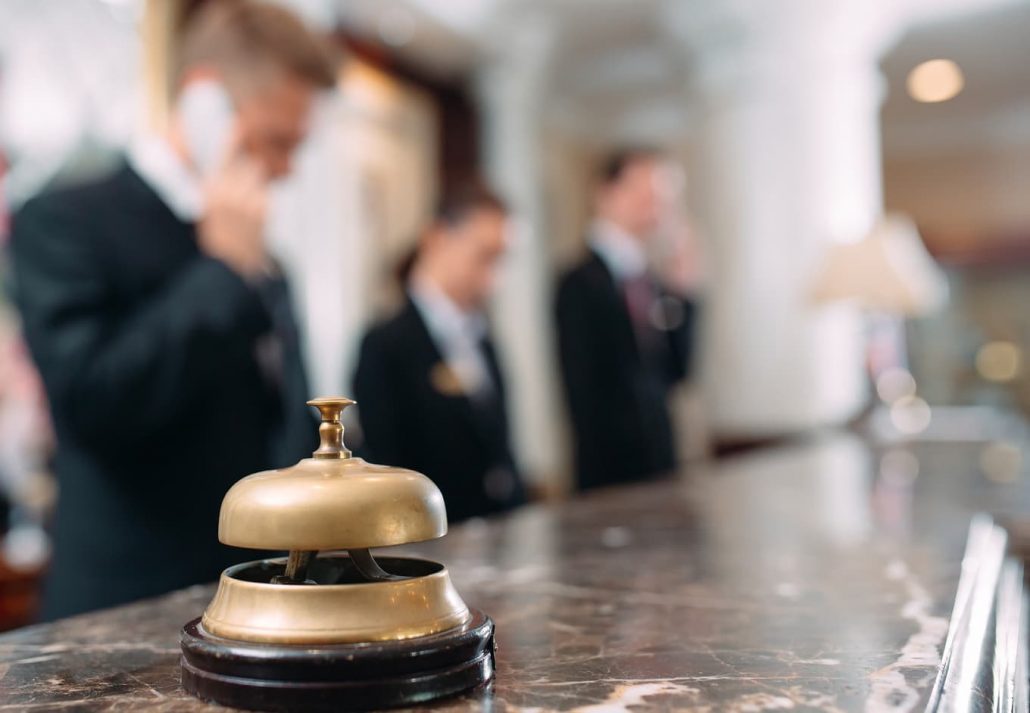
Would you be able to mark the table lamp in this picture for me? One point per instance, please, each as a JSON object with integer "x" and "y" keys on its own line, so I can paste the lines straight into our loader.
{"x": 888, "y": 271}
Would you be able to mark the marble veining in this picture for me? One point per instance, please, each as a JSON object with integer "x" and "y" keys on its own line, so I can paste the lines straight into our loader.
{"x": 728, "y": 588}
{"x": 892, "y": 687}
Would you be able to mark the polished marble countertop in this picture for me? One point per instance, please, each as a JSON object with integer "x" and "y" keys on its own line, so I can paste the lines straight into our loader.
{"x": 817, "y": 576}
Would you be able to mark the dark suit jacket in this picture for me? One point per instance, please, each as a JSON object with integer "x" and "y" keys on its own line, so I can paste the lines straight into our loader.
{"x": 147, "y": 351}
{"x": 413, "y": 417}
{"x": 617, "y": 391}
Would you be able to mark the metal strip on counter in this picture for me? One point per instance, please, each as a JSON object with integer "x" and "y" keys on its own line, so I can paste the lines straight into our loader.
{"x": 984, "y": 660}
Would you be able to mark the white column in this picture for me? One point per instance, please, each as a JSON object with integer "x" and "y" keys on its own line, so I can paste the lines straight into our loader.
{"x": 511, "y": 89}
{"x": 786, "y": 160}
{"x": 318, "y": 232}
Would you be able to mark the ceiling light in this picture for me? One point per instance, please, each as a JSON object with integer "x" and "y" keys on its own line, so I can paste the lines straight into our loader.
{"x": 937, "y": 80}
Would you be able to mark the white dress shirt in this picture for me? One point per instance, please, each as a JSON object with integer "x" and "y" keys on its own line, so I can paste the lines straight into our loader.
{"x": 174, "y": 182}
{"x": 623, "y": 254}
{"x": 458, "y": 335}
{"x": 179, "y": 188}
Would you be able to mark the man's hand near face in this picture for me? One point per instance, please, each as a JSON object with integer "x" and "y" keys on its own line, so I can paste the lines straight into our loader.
{"x": 236, "y": 207}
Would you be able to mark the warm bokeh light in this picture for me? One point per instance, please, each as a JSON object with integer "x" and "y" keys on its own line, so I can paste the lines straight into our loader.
{"x": 895, "y": 383}
{"x": 910, "y": 415}
{"x": 936, "y": 80}
{"x": 999, "y": 361}
{"x": 1001, "y": 461}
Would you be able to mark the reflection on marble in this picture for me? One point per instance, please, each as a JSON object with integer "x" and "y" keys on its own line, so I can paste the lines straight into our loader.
{"x": 747, "y": 585}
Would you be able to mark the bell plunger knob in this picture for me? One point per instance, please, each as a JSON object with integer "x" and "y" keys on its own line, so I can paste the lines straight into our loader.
{"x": 330, "y": 431}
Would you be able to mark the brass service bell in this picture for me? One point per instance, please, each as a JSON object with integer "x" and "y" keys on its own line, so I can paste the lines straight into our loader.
{"x": 330, "y": 626}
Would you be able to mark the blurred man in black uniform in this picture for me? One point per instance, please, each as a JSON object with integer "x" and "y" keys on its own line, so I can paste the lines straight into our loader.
{"x": 160, "y": 325}
{"x": 430, "y": 393}
{"x": 624, "y": 338}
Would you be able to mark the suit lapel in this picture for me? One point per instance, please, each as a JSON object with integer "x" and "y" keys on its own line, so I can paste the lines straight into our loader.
{"x": 495, "y": 369}
{"x": 624, "y": 327}
{"x": 435, "y": 369}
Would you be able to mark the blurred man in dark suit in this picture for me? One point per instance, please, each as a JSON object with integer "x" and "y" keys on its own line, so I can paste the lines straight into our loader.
{"x": 162, "y": 329}
{"x": 429, "y": 390}
{"x": 624, "y": 336}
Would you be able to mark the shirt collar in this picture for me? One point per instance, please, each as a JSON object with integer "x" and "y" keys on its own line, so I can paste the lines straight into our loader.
{"x": 178, "y": 187}
{"x": 623, "y": 254}
{"x": 445, "y": 319}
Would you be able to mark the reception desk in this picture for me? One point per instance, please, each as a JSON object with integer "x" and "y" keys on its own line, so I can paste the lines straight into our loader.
{"x": 818, "y": 576}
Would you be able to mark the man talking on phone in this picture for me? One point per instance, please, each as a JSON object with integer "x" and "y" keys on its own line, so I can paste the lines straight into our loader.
{"x": 160, "y": 325}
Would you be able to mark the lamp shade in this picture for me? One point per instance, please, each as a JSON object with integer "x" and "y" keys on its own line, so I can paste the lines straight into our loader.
{"x": 889, "y": 270}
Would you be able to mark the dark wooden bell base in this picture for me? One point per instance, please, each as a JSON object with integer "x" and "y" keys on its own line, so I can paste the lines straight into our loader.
{"x": 271, "y": 677}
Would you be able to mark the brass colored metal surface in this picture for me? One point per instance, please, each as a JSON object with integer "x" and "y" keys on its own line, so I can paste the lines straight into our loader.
{"x": 330, "y": 432}
{"x": 331, "y": 501}
{"x": 366, "y": 564}
{"x": 334, "y": 613}
{"x": 331, "y": 504}
{"x": 296, "y": 567}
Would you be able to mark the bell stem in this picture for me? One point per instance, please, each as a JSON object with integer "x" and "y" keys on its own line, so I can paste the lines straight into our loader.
{"x": 297, "y": 564}
{"x": 330, "y": 431}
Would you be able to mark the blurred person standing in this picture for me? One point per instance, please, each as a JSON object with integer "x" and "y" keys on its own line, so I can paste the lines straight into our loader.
{"x": 160, "y": 325}
{"x": 624, "y": 333}
{"x": 428, "y": 385}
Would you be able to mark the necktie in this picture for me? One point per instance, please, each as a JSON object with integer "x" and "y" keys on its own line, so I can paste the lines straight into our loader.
{"x": 272, "y": 346}
{"x": 639, "y": 295}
